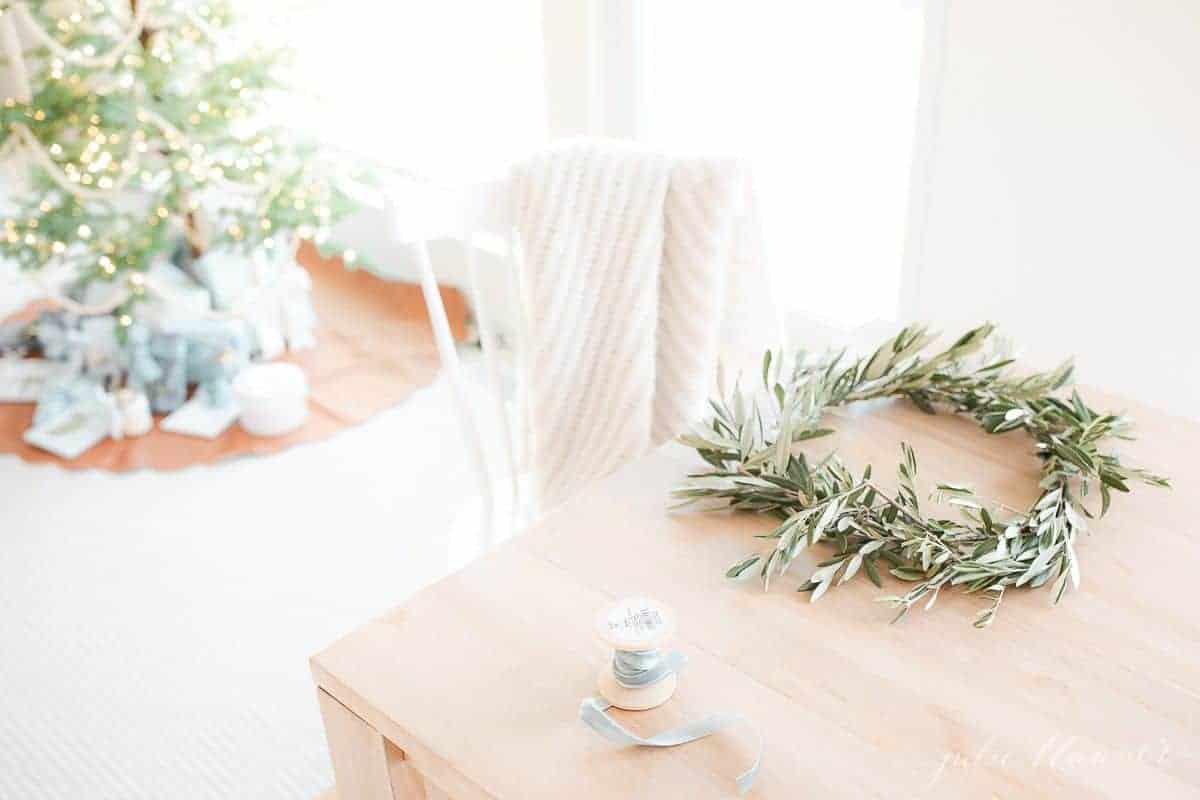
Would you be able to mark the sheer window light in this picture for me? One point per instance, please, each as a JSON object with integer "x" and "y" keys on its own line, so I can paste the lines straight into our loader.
{"x": 450, "y": 90}
{"x": 821, "y": 97}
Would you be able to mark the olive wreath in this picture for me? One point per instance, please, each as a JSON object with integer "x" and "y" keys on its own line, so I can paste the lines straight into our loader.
{"x": 749, "y": 444}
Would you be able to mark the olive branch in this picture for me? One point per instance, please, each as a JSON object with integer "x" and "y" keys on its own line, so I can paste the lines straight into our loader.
{"x": 749, "y": 442}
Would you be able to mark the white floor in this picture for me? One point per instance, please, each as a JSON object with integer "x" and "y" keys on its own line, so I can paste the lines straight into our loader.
{"x": 156, "y": 627}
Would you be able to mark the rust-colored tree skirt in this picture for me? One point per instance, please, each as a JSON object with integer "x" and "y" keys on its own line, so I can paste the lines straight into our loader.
{"x": 374, "y": 348}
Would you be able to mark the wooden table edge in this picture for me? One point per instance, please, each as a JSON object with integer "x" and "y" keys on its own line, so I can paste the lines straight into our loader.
{"x": 405, "y": 767}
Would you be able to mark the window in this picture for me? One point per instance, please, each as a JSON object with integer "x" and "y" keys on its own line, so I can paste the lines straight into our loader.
{"x": 821, "y": 97}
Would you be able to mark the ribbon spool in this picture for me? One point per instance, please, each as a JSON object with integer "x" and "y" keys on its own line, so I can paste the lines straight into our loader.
{"x": 640, "y": 676}
{"x": 643, "y": 675}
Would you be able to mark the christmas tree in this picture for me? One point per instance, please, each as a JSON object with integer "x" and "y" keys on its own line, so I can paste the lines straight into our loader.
{"x": 149, "y": 189}
{"x": 138, "y": 129}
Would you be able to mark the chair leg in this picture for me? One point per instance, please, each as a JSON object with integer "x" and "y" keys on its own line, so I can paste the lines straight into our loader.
{"x": 491, "y": 356}
{"x": 449, "y": 358}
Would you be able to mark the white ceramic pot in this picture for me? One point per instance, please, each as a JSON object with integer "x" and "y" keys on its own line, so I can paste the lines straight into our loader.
{"x": 273, "y": 398}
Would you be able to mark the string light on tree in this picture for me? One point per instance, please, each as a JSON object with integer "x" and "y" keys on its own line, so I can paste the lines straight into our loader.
{"x": 125, "y": 108}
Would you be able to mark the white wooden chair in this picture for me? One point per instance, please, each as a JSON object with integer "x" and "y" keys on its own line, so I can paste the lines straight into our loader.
{"x": 419, "y": 212}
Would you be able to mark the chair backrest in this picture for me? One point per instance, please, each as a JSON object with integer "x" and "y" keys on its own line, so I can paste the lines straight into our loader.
{"x": 634, "y": 259}
{"x": 420, "y": 212}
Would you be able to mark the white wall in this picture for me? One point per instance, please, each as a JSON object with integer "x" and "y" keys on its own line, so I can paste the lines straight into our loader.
{"x": 1057, "y": 185}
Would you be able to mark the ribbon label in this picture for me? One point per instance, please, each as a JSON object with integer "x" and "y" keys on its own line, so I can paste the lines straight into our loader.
{"x": 635, "y": 621}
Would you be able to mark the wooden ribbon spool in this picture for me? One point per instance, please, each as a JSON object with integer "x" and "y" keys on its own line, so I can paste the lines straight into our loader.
{"x": 636, "y": 624}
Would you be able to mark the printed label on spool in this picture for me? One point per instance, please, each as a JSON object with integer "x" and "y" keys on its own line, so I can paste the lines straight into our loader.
{"x": 636, "y": 623}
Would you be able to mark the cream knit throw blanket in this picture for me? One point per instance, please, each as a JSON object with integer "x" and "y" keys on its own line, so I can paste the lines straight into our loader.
{"x": 639, "y": 273}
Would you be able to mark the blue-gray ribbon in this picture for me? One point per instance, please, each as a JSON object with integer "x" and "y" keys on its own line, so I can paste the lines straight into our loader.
{"x": 634, "y": 669}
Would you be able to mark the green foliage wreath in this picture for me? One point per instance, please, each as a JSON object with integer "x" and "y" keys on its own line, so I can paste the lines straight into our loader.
{"x": 749, "y": 443}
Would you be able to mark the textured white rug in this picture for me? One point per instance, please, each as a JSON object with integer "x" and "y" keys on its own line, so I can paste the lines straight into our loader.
{"x": 156, "y": 627}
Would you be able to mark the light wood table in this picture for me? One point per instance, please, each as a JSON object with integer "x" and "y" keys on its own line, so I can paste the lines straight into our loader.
{"x": 471, "y": 689}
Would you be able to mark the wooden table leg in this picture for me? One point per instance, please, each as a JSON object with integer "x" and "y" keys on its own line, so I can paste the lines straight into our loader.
{"x": 366, "y": 766}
